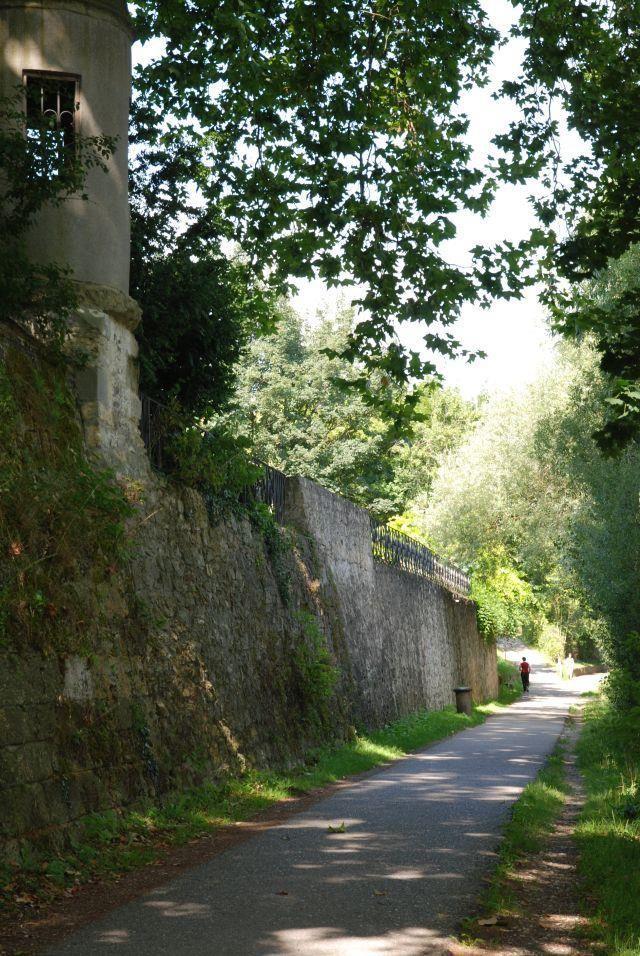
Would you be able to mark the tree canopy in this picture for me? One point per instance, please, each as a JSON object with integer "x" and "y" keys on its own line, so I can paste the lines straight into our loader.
{"x": 327, "y": 140}
{"x": 607, "y": 308}
{"x": 293, "y": 407}
{"x": 581, "y": 63}
{"x": 583, "y": 59}
{"x": 297, "y": 417}
{"x": 547, "y": 525}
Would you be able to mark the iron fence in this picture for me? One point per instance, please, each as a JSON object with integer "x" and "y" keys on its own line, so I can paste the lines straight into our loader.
{"x": 399, "y": 550}
{"x": 269, "y": 488}
{"x": 388, "y": 545}
{"x": 152, "y": 428}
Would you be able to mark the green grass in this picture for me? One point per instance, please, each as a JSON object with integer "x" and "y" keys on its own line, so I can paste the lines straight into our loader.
{"x": 608, "y": 833}
{"x": 113, "y": 843}
{"x": 510, "y": 683}
{"x": 532, "y": 819}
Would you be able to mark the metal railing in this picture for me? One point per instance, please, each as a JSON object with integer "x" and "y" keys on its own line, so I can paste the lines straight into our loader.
{"x": 270, "y": 487}
{"x": 152, "y": 430}
{"x": 388, "y": 545}
{"x": 399, "y": 550}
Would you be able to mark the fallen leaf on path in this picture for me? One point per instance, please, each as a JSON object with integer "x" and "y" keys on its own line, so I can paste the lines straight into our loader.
{"x": 489, "y": 921}
{"x": 282, "y": 893}
{"x": 341, "y": 829}
{"x": 379, "y": 892}
{"x": 25, "y": 900}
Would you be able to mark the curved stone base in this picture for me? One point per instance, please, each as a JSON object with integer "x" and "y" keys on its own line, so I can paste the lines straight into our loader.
{"x": 106, "y": 380}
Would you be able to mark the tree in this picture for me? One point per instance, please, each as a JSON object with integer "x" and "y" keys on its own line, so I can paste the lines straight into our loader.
{"x": 504, "y": 599}
{"x": 607, "y": 308}
{"x": 326, "y": 140}
{"x": 602, "y": 538}
{"x": 443, "y": 419}
{"x": 582, "y": 60}
{"x": 494, "y": 491}
{"x": 200, "y": 307}
{"x": 291, "y": 406}
{"x": 502, "y": 500}
{"x": 528, "y": 501}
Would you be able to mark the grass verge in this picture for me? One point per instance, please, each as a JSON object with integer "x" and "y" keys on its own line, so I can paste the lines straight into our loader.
{"x": 509, "y": 681}
{"x": 114, "y": 843}
{"x": 608, "y": 832}
{"x": 532, "y": 818}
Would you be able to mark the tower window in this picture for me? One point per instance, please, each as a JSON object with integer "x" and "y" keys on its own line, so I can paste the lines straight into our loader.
{"x": 51, "y": 102}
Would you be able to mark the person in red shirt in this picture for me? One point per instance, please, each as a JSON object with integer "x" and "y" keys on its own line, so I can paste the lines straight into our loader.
{"x": 525, "y": 671}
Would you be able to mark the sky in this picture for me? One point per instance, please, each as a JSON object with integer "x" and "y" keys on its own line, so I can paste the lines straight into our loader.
{"x": 513, "y": 334}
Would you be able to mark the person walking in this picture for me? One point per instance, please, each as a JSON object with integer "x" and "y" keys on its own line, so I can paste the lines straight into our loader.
{"x": 569, "y": 664}
{"x": 525, "y": 673}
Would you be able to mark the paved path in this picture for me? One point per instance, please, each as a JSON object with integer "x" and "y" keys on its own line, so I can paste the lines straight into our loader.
{"x": 420, "y": 836}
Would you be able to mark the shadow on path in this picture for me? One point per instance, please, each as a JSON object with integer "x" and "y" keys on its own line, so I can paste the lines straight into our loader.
{"x": 419, "y": 838}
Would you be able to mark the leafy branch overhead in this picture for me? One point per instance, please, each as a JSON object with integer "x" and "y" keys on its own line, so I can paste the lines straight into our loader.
{"x": 326, "y": 140}
{"x": 582, "y": 62}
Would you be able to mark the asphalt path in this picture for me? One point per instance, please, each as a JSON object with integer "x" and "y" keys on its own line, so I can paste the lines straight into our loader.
{"x": 419, "y": 837}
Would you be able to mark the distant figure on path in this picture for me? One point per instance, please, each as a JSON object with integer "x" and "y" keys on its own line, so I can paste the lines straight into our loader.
{"x": 569, "y": 664}
{"x": 525, "y": 671}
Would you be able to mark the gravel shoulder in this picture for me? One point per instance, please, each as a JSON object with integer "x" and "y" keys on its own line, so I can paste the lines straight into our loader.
{"x": 546, "y": 915}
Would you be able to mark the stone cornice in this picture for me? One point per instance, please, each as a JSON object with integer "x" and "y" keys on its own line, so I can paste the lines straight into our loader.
{"x": 114, "y": 8}
{"x": 115, "y": 303}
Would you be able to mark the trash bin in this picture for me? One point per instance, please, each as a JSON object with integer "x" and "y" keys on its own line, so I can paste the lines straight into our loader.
{"x": 463, "y": 700}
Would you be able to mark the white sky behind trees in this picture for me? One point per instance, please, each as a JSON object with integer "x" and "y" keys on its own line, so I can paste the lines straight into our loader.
{"x": 513, "y": 334}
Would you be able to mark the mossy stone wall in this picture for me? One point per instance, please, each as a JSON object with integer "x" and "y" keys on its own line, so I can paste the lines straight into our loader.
{"x": 145, "y": 648}
{"x": 142, "y": 648}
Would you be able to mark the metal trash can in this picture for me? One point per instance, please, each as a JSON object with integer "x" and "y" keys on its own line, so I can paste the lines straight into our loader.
{"x": 463, "y": 700}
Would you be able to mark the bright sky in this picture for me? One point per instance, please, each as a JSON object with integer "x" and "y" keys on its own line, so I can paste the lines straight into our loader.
{"x": 513, "y": 334}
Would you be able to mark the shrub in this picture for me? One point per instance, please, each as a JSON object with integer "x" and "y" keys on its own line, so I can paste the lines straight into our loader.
{"x": 62, "y": 520}
{"x": 317, "y": 673}
{"x": 504, "y": 600}
{"x": 215, "y": 462}
{"x": 551, "y": 641}
{"x": 507, "y": 673}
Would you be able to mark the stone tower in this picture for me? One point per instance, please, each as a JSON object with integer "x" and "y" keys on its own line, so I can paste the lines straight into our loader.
{"x": 72, "y": 59}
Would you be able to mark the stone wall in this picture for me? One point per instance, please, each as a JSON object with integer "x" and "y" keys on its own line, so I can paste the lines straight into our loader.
{"x": 184, "y": 657}
{"x": 200, "y": 671}
{"x": 195, "y": 655}
{"x": 410, "y": 641}
{"x": 106, "y": 377}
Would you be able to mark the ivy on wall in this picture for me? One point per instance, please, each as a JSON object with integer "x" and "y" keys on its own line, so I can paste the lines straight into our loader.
{"x": 62, "y": 519}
